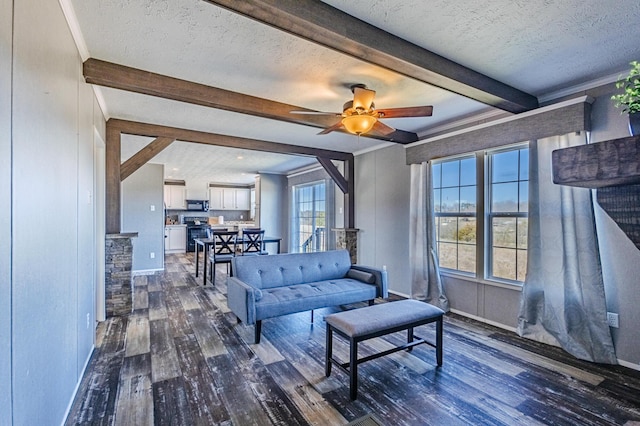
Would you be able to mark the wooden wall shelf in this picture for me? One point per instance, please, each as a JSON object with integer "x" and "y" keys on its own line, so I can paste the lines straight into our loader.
{"x": 598, "y": 165}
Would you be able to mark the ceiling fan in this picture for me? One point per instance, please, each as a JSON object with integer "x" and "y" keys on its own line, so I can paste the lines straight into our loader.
{"x": 360, "y": 116}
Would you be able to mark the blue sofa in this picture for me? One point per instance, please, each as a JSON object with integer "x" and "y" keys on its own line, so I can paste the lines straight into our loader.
{"x": 269, "y": 286}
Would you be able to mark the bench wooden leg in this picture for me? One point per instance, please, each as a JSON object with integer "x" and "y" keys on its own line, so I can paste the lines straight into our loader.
{"x": 328, "y": 352}
{"x": 353, "y": 369}
{"x": 410, "y": 337}
{"x": 439, "y": 341}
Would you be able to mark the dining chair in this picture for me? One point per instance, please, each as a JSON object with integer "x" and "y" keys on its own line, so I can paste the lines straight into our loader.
{"x": 222, "y": 250}
{"x": 252, "y": 242}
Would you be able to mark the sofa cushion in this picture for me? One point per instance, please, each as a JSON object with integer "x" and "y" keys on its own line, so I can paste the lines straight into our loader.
{"x": 303, "y": 297}
{"x": 290, "y": 269}
{"x": 364, "y": 276}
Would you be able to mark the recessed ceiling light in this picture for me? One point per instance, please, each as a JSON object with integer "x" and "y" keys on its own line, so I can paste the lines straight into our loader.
{"x": 175, "y": 169}
{"x": 239, "y": 157}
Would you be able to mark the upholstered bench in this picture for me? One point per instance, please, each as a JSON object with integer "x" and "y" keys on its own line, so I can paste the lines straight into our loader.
{"x": 375, "y": 321}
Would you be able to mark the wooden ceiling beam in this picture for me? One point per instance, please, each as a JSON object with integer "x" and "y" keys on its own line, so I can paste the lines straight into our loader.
{"x": 143, "y": 156}
{"x": 121, "y": 77}
{"x": 327, "y": 26}
{"x": 186, "y": 135}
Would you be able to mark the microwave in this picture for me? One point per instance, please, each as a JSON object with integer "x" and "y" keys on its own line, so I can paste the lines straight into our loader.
{"x": 198, "y": 205}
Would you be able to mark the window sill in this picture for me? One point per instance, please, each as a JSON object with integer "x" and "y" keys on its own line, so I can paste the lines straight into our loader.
{"x": 463, "y": 277}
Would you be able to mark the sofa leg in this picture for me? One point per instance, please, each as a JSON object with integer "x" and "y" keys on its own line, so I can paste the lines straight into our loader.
{"x": 258, "y": 330}
{"x": 312, "y": 316}
{"x": 371, "y": 302}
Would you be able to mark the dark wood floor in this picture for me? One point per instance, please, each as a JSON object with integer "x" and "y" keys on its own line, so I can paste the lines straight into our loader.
{"x": 181, "y": 358}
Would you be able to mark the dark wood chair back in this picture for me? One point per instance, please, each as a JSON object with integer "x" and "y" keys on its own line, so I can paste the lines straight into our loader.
{"x": 252, "y": 241}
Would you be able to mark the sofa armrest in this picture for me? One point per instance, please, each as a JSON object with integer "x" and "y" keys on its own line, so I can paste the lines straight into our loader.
{"x": 380, "y": 282}
{"x": 241, "y": 299}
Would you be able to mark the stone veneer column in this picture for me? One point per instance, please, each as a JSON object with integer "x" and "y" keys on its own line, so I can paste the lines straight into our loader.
{"x": 118, "y": 263}
{"x": 347, "y": 238}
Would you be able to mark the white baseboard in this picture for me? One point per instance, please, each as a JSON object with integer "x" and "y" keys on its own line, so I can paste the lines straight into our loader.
{"x": 628, "y": 364}
{"x": 484, "y": 320}
{"x": 75, "y": 391}
{"x": 145, "y": 272}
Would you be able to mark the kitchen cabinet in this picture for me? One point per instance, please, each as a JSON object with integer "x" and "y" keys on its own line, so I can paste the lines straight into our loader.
{"x": 175, "y": 239}
{"x": 216, "y": 198}
{"x": 174, "y": 197}
{"x": 229, "y": 198}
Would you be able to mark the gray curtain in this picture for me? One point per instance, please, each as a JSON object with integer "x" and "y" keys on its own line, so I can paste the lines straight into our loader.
{"x": 563, "y": 299}
{"x": 426, "y": 284}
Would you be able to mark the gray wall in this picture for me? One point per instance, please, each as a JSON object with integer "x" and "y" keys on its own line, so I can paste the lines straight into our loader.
{"x": 382, "y": 213}
{"x": 140, "y": 191}
{"x": 274, "y": 208}
{"x": 47, "y": 255}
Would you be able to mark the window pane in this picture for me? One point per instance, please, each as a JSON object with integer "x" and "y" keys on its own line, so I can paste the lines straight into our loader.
{"x": 521, "y": 265}
{"x": 435, "y": 171}
{"x": 467, "y": 257}
{"x": 450, "y": 173}
{"x": 467, "y": 230}
{"x": 504, "y": 166}
{"x": 504, "y": 197}
{"x": 523, "y": 224}
{"x": 468, "y": 171}
{"x": 524, "y": 164}
{"x": 447, "y": 256}
{"x": 524, "y": 197}
{"x": 504, "y": 263}
{"x": 436, "y": 200}
{"x": 450, "y": 201}
{"x": 468, "y": 199}
{"x": 447, "y": 229}
{"x": 504, "y": 232}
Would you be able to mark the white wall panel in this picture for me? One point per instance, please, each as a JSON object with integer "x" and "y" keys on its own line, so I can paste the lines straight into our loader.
{"x": 143, "y": 189}
{"x": 382, "y": 213}
{"x": 6, "y": 42}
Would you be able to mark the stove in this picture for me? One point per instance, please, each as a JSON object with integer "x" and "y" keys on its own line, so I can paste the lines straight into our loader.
{"x": 197, "y": 227}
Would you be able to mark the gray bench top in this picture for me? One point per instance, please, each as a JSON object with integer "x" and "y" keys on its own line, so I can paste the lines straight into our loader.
{"x": 372, "y": 319}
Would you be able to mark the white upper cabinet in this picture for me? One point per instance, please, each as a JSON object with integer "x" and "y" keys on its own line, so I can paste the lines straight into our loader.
{"x": 229, "y": 198}
{"x": 243, "y": 199}
{"x": 216, "y": 201}
{"x": 174, "y": 197}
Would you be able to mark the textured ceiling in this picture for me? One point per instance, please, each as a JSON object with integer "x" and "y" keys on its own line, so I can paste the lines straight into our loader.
{"x": 537, "y": 46}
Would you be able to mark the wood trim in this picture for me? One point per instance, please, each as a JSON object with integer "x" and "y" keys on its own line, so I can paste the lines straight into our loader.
{"x": 349, "y": 196}
{"x": 155, "y": 130}
{"x": 335, "y": 174}
{"x": 121, "y": 77}
{"x": 549, "y": 122}
{"x": 112, "y": 180}
{"x": 327, "y": 26}
{"x": 143, "y": 156}
{"x": 166, "y": 135}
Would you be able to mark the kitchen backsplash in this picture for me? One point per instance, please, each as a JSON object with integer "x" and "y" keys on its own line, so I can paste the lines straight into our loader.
{"x": 229, "y": 215}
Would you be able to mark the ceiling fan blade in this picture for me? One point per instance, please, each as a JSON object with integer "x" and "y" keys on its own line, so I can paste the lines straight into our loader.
{"x": 363, "y": 98}
{"x": 382, "y": 129}
{"x": 419, "y": 111}
{"x": 314, "y": 113}
{"x": 336, "y": 126}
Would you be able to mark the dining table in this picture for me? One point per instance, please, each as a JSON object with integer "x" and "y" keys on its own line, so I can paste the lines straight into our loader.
{"x": 206, "y": 243}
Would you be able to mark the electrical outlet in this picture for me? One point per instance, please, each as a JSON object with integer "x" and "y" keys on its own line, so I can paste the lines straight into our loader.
{"x": 152, "y": 255}
{"x": 612, "y": 320}
{"x": 152, "y": 208}
{"x": 88, "y": 320}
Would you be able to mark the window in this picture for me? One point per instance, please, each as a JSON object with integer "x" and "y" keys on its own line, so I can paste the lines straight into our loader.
{"x": 454, "y": 194}
{"x": 308, "y": 218}
{"x": 508, "y": 213}
{"x": 481, "y": 213}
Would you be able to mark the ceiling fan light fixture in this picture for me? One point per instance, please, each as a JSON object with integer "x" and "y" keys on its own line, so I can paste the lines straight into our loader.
{"x": 358, "y": 124}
